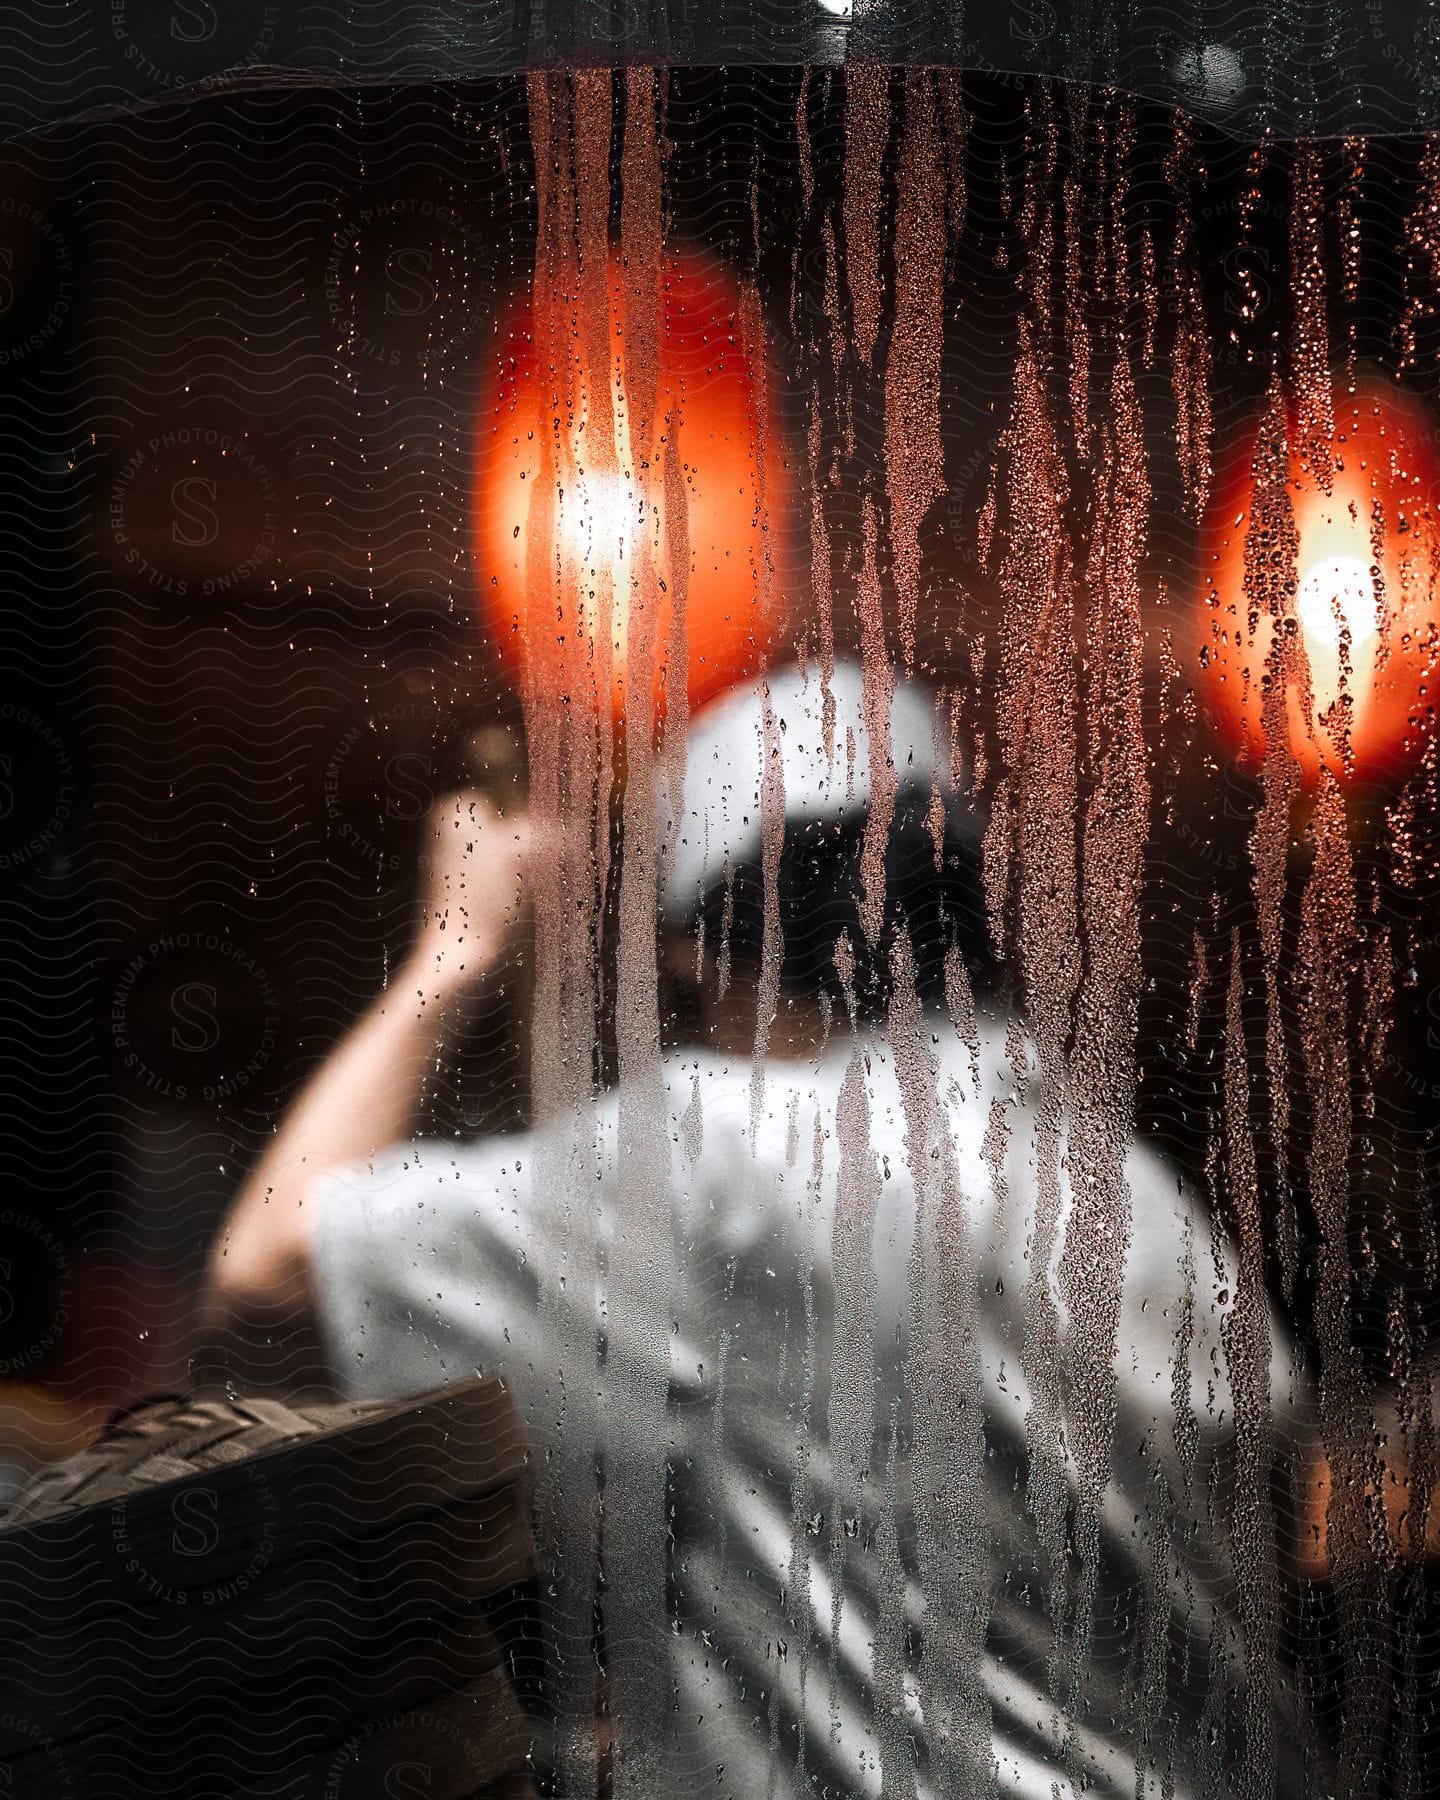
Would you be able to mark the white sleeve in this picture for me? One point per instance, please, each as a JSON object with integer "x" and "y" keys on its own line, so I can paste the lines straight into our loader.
{"x": 429, "y": 1265}
{"x": 440, "y": 1260}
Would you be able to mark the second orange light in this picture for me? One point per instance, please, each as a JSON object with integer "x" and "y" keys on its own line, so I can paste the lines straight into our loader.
{"x": 1359, "y": 605}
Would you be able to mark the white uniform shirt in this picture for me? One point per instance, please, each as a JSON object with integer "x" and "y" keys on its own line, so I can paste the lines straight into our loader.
{"x": 858, "y": 1598}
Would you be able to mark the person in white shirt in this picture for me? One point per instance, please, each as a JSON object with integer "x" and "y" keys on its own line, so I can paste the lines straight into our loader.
{"x": 861, "y": 1592}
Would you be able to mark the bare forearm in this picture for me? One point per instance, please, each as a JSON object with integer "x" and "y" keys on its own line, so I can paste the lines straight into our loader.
{"x": 364, "y": 1098}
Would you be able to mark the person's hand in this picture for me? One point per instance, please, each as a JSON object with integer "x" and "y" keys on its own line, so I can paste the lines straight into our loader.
{"x": 474, "y": 892}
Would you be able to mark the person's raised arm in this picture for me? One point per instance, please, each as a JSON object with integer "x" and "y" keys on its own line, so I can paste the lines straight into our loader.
{"x": 366, "y": 1095}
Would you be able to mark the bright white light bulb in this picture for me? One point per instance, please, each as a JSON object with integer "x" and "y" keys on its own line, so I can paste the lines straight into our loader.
{"x": 598, "y": 521}
{"x": 1334, "y": 596}
{"x": 602, "y": 527}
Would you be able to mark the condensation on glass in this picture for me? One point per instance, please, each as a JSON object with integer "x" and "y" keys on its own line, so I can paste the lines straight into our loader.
{"x": 1181, "y": 632}
{"x": 1085, "y": 1441}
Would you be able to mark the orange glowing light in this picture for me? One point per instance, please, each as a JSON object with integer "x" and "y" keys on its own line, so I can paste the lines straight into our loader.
{"x": 604, "y": 496}
{"x": 1349, "y": 575}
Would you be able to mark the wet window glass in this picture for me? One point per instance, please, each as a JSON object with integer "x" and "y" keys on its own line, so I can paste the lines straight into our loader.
{"x": 728, "y": 758}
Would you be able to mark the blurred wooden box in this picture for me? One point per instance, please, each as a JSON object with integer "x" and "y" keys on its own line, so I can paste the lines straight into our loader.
{"x": 239, "y": 1597}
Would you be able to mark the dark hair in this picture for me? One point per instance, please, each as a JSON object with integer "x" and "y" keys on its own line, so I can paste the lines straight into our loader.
{"x": 931, "y": 893}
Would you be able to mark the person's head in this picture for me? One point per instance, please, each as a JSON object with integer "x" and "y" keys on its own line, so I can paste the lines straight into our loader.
{"x": 784, "y": 775}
